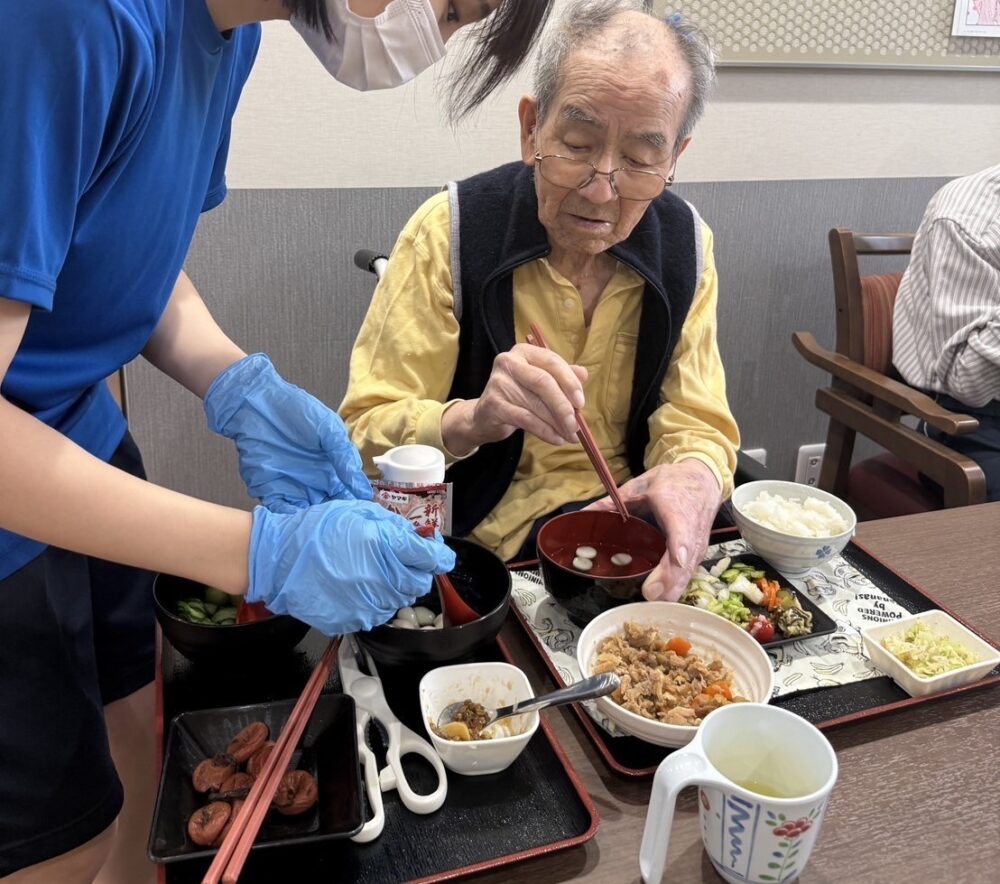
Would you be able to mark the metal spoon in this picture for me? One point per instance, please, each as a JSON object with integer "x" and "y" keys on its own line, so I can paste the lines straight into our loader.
{"x": 588, "y": 689}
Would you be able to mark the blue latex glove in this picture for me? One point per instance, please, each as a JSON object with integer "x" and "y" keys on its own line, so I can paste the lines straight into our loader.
{"x": 340, "y": 566}
{"x": 294, "y": 450}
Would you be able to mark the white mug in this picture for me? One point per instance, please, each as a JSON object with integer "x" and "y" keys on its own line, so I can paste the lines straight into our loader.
{"x": 412, "y": 465}
{"x": 764, "y": 776}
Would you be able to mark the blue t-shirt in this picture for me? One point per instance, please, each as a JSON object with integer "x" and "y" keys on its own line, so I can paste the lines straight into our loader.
{"x": 114, "y": 129}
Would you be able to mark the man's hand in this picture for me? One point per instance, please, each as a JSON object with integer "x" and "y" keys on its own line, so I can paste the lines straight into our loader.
{"x": 529, "y": 389}
{"x": 683, "y": 498}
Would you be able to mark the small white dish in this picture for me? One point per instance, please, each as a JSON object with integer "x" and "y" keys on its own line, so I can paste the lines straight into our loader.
{"x": 492, "y": 685}
{"x": 942, "y": 624}
{"x": 790, "y": 554}
{"x": 711, "y": 636}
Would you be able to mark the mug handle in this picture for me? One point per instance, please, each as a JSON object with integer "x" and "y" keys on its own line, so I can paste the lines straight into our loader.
{"x": 685, "y": 767}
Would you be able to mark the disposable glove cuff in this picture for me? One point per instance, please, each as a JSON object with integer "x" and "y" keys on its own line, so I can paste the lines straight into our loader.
{"x": 228, "y": 392}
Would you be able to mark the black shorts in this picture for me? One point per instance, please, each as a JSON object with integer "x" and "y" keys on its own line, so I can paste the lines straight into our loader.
{"x": 76, "y": 633}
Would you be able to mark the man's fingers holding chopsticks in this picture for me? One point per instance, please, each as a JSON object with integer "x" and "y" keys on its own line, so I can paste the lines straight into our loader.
{"x": 531, "y": 389}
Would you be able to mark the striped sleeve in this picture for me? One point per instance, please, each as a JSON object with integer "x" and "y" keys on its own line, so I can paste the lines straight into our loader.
{"x": 946, "y": 322}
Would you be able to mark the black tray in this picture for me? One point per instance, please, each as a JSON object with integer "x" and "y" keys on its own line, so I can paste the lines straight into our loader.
{"x": 826, "y": 707}
{"x": 536, "y": 806}
{"x": 821, "y": 622}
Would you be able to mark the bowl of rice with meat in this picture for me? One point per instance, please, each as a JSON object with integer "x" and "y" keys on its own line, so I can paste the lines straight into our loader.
{"x": 795, "y": 527}
{"x": 676, "y": 664}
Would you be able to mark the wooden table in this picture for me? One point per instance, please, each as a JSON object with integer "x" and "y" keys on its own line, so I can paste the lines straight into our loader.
{"x": 916, "y": 800}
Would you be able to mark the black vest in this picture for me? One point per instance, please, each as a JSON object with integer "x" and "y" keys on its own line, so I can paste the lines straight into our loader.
{"x": 495, "y": 228}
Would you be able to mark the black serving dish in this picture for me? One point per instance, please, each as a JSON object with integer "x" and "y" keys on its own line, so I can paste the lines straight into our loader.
{"x": 585, "y": 595}
{"x": 483, "y": 582}
{"x": 822, "y": 623}
{"x": 201, "y": 643}
{"x": 328, "y": 750}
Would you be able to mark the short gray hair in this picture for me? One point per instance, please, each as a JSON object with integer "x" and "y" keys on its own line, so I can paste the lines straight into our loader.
{"x": 582, "y": 21}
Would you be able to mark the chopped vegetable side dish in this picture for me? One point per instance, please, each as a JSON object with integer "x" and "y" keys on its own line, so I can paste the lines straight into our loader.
{"x": 731, "y": 587}
{"x": 925, "y": 652}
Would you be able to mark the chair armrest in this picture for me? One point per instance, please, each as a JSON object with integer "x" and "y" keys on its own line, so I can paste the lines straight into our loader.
{"x": 887, "y": 390}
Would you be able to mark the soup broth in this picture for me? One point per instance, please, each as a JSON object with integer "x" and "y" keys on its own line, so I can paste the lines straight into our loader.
{"x": 601, "y": 564}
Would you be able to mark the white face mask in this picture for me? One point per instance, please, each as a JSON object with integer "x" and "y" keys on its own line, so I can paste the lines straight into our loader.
{"x": 376, "y": 53}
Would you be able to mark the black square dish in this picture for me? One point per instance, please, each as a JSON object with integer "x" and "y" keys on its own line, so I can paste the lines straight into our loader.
{"x": 328, "y": 750}
{"x": 822, "y": 624}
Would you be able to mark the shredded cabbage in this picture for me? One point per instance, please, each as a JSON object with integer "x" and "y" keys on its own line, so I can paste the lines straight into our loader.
{"x": 925, "y": 652}
{"x": 811, "y": 517}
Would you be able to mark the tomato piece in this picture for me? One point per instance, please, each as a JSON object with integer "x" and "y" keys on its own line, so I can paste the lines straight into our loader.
{"x": 679, "y": 646}
{"x": 761, "y": 629}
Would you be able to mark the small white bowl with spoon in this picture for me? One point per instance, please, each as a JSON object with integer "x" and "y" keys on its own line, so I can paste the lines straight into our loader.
{"x": 508, "y": 717}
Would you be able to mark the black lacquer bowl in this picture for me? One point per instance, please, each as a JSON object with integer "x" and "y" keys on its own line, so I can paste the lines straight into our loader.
{"x": 483, "y": 582}
{"x": 203, "y": 643}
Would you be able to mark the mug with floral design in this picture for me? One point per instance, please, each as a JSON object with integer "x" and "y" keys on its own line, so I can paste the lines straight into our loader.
{"x": 764, "y": 777}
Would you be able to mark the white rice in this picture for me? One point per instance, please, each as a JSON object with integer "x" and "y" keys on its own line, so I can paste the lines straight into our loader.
{"x": 811, "y": 517}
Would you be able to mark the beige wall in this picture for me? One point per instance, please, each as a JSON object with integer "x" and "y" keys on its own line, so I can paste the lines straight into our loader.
{"x": 298, "y": 128}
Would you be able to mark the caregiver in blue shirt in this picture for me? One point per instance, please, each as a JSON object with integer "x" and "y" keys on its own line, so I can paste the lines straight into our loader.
{"x": 114, "y": 128}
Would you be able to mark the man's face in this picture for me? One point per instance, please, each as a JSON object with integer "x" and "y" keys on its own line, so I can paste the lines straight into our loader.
{"x": 613, "y": 116}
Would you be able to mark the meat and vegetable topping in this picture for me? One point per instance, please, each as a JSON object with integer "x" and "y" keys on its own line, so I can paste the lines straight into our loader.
{"x": 467, "y": 723}
{"x": 661, "y": 678}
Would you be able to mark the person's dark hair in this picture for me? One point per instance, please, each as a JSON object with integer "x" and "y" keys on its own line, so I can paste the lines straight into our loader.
{"x": 312, "y": 12}
{"x": 493, "y": 52}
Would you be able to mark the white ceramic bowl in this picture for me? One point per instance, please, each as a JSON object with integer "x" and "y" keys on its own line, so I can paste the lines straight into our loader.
{"x": 493, "y": 685}
{"x": 711, "y": 636}
{"x": 942, "y": 624}
{"x": 791, "y": 555}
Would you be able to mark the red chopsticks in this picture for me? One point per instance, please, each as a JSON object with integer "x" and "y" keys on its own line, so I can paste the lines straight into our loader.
{"x": 228, "y": 862}
{"x": 590, "y": 445}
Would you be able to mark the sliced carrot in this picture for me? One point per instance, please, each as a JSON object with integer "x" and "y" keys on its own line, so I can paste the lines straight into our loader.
{"x": 770, "y": 589}
{"x": 721, "y": 688}
{"x": 679, "y": 646}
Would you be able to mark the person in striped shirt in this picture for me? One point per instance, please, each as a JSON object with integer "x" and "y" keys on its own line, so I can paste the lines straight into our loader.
{"x": 946, "y": 322}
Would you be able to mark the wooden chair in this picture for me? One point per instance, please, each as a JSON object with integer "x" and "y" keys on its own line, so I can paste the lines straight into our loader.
{"x": 867, "y": 396}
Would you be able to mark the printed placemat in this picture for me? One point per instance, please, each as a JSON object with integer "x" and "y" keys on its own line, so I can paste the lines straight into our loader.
{"x": 838, "y": 588}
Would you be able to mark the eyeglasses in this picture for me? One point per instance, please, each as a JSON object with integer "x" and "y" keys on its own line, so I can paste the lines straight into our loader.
{"x": 628, "y": 184}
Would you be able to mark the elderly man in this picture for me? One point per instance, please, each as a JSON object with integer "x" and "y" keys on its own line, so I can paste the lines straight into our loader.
{"x": 946, "y": 322}
{"x": 583, "y": 239}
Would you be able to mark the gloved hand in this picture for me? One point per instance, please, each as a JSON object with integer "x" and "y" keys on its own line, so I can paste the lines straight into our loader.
{"x": 294, "y": 450}
{"x": 340, "y": 566}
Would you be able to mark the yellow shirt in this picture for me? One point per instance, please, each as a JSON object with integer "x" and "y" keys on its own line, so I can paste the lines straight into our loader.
{"x": 405, "y": 355}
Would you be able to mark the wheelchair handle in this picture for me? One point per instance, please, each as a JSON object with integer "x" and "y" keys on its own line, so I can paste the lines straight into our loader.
{"x": 373, "y": 262}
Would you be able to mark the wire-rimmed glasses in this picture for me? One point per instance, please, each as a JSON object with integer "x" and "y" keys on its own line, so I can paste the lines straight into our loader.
{"x": 628, "y": 184}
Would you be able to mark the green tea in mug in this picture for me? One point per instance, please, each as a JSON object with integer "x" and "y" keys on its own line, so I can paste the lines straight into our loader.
{"x": 770, "y": 773}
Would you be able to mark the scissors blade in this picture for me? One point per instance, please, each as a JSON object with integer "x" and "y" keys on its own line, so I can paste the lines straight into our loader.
{"x": 381, "y": 733}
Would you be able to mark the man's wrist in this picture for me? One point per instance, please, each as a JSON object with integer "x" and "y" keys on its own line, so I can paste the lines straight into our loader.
{"x": 458, "y": 428}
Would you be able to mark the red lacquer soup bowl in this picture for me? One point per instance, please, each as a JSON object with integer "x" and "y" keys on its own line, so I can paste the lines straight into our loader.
{"x": 607, "y": 542}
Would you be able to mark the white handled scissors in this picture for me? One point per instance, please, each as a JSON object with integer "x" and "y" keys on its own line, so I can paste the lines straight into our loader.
{"x": 366, "y": 690}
